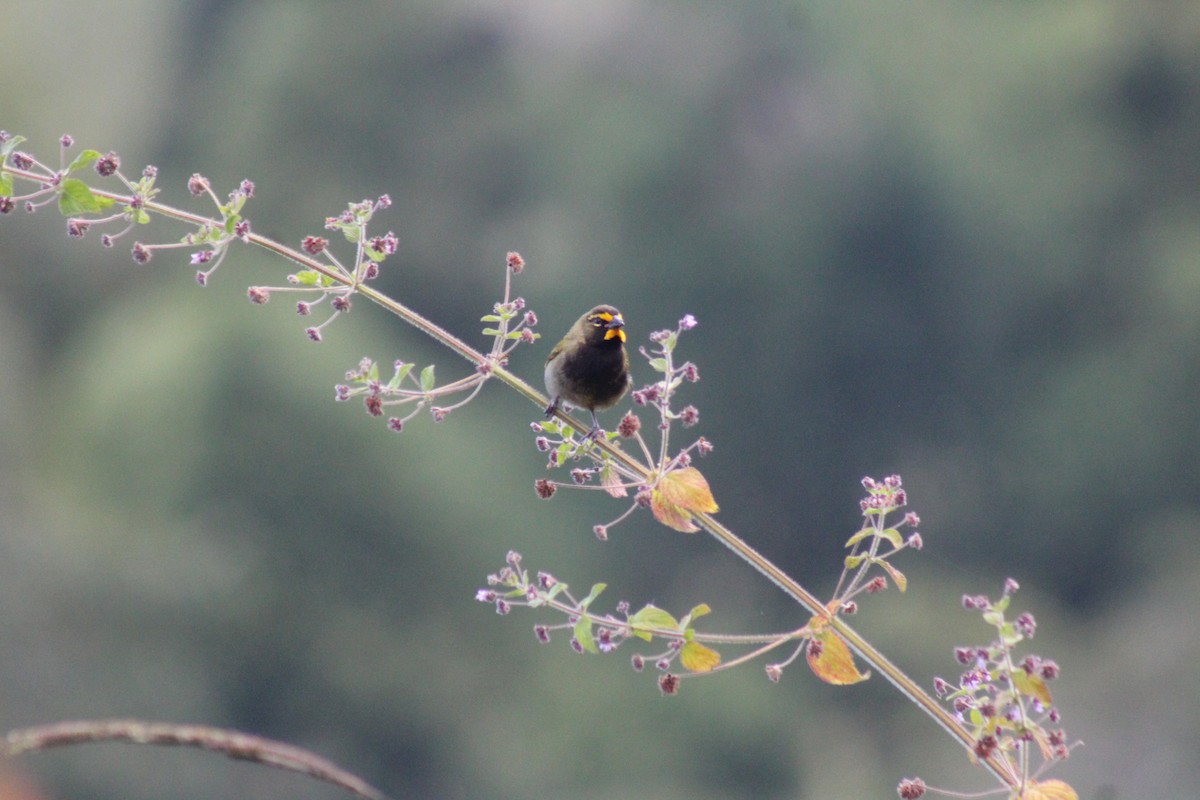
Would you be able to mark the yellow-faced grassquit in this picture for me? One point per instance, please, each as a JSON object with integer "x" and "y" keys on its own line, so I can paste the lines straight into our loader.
{"x": 589, "y": 368}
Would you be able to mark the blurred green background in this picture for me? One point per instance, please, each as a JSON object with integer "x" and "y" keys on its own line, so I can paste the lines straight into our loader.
{"x": 958, "y": 241}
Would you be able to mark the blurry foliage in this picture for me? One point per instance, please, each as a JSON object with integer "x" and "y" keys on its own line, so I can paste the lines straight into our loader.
{"x": 952, "y": 240}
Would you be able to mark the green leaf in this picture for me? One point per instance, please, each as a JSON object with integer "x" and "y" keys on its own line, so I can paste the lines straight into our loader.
{"x": 658, "y": 364}
{"x": 10, "y": 145}
{"x": 593, "y": 594}
{"x": 427, "y": 379}
{"x": 893, "y": 536}
{"x": 583, "y": 635}
{"x": 858, "y": 537}
{"x": 400, "y": 375}
{"x": 308, "y": 277}
{"x": 76, "y": 197}
{"x": 142, "y": 216}
{"x": 83, "y": 159}
{"x": 235, "y": 206}
{"x": 490, "y": 332}
{"x": 6, "y": 184}
{"x": 651, "y": 618}
{"x": 373, "y": 372}
{"x": 489, "y": 318}
{"x": 852, "y": 562}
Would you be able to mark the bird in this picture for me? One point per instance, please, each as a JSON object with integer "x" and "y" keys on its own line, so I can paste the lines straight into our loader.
{"x": 589, "y": 368}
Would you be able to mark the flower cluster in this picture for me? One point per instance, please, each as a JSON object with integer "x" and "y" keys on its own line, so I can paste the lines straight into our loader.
{"x": 512, "y": 586}
{"x": 327, "y": 278}
{"x": 1003, "y": 699}
{"x": 877, "y": 542}
{"x": 84, "y": 207}
{"x": 419, "y": 389}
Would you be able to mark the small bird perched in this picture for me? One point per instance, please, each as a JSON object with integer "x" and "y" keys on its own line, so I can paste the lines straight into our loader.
{"x": 589, "y": 368}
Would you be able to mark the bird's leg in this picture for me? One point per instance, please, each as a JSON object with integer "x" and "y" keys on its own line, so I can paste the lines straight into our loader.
{"x": 550, "y": 409}
{"x": 596, "y": 432}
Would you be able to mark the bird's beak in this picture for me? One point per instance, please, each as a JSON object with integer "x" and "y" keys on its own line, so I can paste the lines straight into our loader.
{"x": 614, "y": 328}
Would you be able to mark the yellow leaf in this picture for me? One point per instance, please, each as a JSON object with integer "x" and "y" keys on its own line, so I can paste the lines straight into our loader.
{"x": 679, "y": 495}
{"x": 831, "y": 660}
{"x": 1048, "y": 790}
{"x": 695, "y": 657}
{"x": 1032, "y": 686}
{"x": 897, "y": 576}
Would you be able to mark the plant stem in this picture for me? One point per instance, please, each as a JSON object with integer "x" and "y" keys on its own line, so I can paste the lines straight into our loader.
{"x": 996, "y": 763}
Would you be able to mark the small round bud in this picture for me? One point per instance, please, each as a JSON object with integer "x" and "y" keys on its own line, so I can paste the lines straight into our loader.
{"x": 544, "y": 488}
{"x": 910, "y": 788}
{"x": 108, "y": 164}
{"x": 515, "y": 263}
{"x": 197, "y": 184}
{"x": 629, "y": 425}
{"x": 314, "y": 245}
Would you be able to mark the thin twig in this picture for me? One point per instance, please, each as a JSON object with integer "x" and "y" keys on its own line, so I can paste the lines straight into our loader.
{"x": 241, "y": 746}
